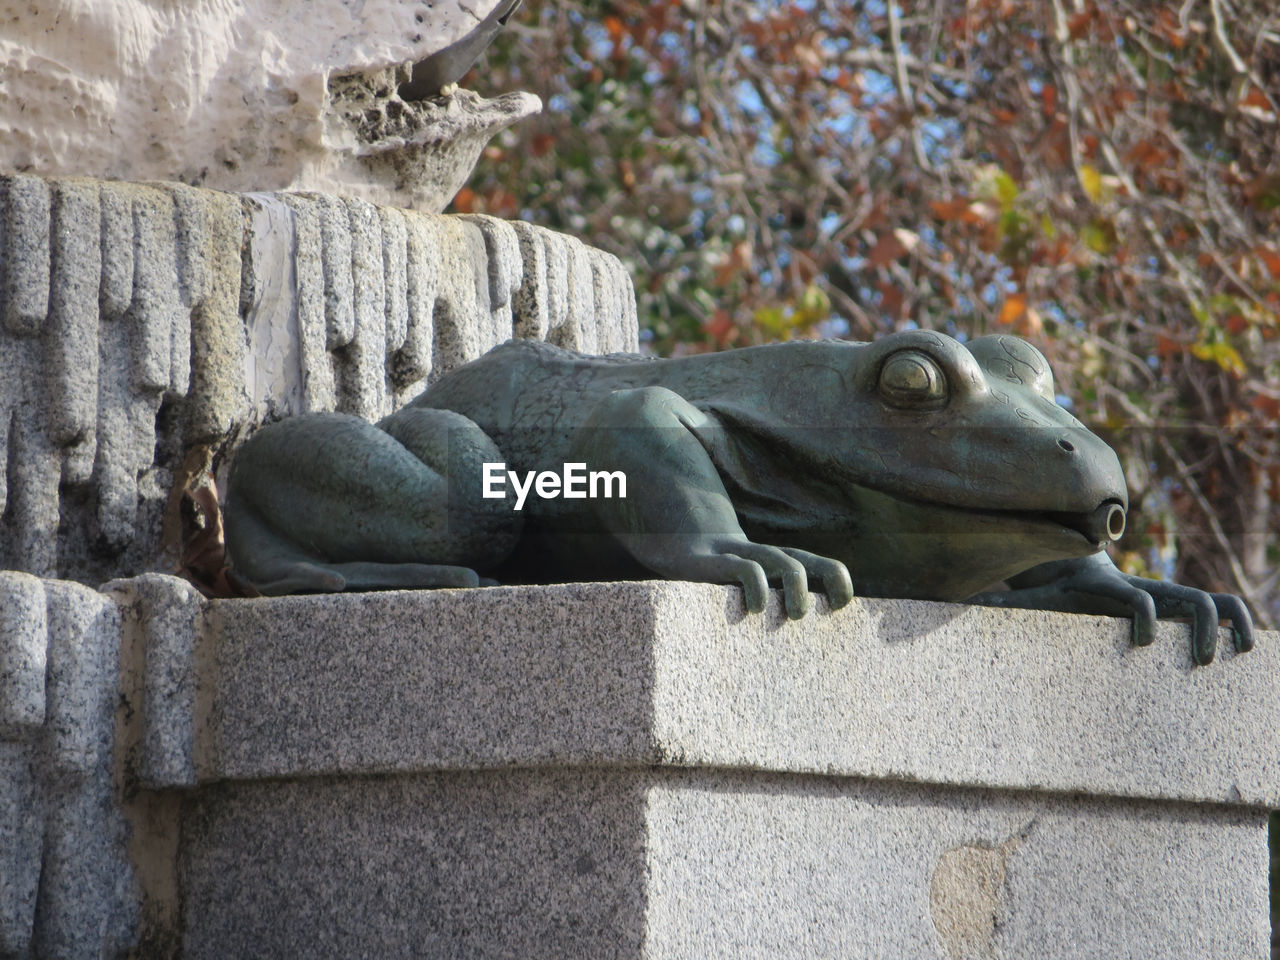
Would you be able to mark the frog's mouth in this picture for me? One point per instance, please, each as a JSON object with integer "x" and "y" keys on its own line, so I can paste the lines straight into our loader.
{"x": 1101, "y": 526}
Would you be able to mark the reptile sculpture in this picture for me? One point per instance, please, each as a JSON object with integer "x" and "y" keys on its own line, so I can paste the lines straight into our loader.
{"x": 914, "y": 466}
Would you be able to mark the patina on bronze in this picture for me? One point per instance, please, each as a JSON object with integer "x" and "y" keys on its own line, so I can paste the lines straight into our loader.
{"x": 914, "y": 466}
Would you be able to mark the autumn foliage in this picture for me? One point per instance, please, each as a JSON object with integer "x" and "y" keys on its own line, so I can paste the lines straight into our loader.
{"x": 1102, "y": 178}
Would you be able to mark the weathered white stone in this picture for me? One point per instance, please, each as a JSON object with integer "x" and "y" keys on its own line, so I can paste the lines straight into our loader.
{"x": 579, "y": 332}
{"x": 529, "y": 307}
{"x": 26, "y": 255}
{"x": 251, "y": 95}
{"x": 270, "y": 296}
{"x": 364, "y": 388}
{"x": 395, "y": 264}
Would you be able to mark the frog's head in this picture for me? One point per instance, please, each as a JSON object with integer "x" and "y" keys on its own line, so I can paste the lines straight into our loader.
{"x": 976, "y": 426}
{"x": 956, "y": 459}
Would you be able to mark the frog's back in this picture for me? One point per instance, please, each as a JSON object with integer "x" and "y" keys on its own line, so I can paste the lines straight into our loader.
{"x": 526, "y": 384}
{"x": 523, "y": 380}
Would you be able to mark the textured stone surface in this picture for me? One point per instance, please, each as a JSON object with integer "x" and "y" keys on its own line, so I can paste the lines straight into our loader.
{"x": 620, "y": 770}
{"x": 540, "y": 864}
{"x": 657, "y": 672}
{"x": 703, "y": 864}
{"x": 145, "y": 326}
{"x": 759, "y": 866}
{"x": 256, "y": 95}
{"x": 67, "y": 887}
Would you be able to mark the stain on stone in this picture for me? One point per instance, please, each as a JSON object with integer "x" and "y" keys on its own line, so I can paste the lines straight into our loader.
{"x": 967, "y": 897}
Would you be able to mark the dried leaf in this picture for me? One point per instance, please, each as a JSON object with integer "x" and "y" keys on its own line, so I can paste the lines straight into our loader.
{"x": 720, "y": 326}
{"x": 950, "y": 209}
{"x": 465, "y": 201}
{"x": 204, "y": 551}
{"x": 1257, "y": 105}
{"x": 1271, "y": 259}
{"x": 886, "y": 250}
{"x": 1091, "y": 180}
{"x": 1079, "y": 25}
{"x": 1014, "y": 306}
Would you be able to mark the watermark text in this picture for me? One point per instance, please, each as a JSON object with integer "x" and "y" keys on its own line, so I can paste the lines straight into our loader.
{"x": 574, "y": 482}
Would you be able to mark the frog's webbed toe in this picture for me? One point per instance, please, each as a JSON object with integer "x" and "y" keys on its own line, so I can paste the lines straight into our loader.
{"x": 1094, "y": 585}
{"x": 754, "y": 565}
{"x": 1204, "y": 610}
{"x": 366, "y": 575}
{"x": 314, "y": 577}
{"x": 834, "y": 575}
{"x": 299, "y": 577}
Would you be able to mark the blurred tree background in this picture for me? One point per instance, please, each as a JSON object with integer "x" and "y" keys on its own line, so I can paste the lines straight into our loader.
{"x": 1102, "y": 178}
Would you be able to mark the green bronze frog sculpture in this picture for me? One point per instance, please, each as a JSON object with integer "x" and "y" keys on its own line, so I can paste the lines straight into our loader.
{"x": 914, "y": 466}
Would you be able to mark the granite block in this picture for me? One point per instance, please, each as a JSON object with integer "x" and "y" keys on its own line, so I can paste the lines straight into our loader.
{"x": 672, "y": 864}
{"x": 675, "y": 673}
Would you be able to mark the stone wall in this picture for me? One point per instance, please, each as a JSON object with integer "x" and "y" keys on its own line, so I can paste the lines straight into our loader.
{"x": 145, "y": 327}
{"x": 621, "y": 770}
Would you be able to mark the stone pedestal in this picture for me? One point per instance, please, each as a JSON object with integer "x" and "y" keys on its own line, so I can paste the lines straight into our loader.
{"x": 645, "y": 770}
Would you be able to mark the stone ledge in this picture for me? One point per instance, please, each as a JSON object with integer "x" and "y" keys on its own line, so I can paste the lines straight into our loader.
{"x": 677, "y": 674}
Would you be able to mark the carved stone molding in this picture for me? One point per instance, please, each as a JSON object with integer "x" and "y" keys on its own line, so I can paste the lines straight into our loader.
{"x": 144, "y": 327}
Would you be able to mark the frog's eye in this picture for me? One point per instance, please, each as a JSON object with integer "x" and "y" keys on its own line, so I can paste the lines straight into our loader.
{"x": 913, "y": 380}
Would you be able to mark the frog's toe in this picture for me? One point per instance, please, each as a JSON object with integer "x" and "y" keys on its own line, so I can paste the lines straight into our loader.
{"x": 1232, "y": 608}
{"x": 405, "y": 576}
{"x": 1130, "y": 593}
{"x": 834, "y": 575}
{"x": 1175, "y": 600}
{"x": 728, "y": 568}
{"x": 779, "y": 564}
{"x": 301, "y": 577}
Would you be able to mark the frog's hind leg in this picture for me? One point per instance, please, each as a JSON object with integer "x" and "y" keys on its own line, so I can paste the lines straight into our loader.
{"x": 328, "y": 502}
{"x": 274, "y": 567}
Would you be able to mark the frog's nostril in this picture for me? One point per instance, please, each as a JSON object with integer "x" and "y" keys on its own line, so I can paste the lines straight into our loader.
{"x": 1066, "y": 445}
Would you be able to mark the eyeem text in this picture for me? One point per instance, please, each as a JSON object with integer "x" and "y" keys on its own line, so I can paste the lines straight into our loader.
{"x": 573, "y": 483}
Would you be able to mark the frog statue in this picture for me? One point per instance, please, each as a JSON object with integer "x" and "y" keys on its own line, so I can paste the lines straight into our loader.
{"x": 915, "y": 466}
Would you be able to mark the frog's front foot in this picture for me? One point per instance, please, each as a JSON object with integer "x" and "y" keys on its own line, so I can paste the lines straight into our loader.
{"x": 1095, "y": 585}
{"x": 729, "y": 558}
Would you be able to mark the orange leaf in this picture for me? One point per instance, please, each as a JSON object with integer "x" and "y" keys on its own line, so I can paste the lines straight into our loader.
{"x": 891, "y": 301}
{"x": 1049, "y": 95}
{"x": 719, "y": 325}
{"x": 1014, "y": 306}
{"x": 465, "y": 201}
{"x": 1079, "y": 25}
{"x": 541, "y": 144}
{"x": 1271, "y": 257}
{"x": 949, "y": 209}
{"x": 1256, "y": 100}
{"x": 1268, "y": 406}
{"x": 888, "y": 248}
